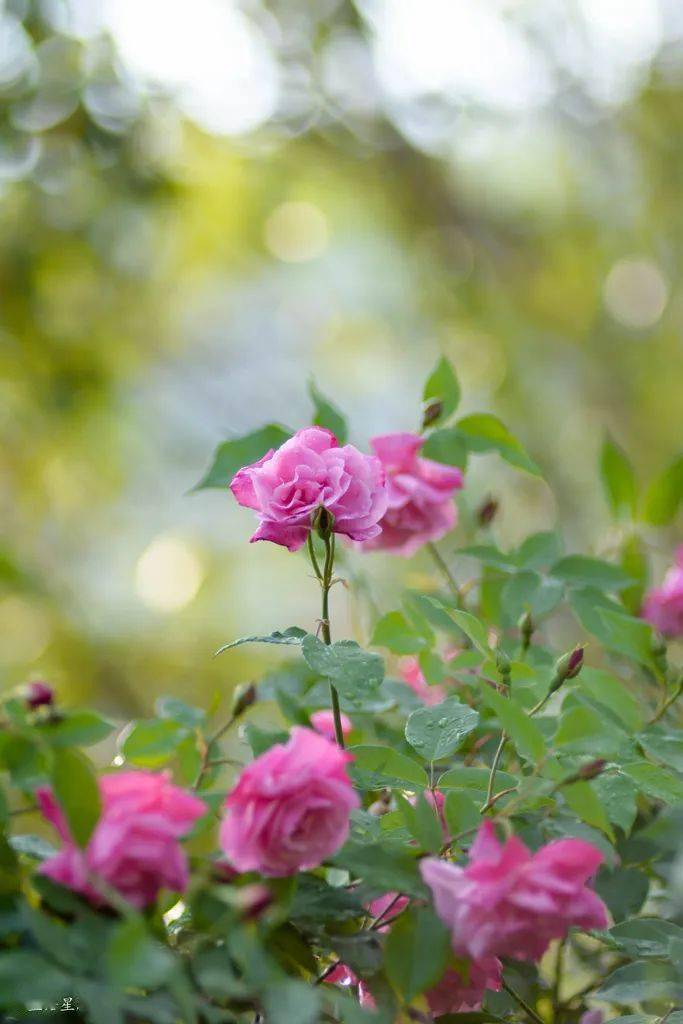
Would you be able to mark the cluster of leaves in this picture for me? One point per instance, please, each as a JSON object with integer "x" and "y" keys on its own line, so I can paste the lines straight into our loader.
{"x": 596, "y": 755}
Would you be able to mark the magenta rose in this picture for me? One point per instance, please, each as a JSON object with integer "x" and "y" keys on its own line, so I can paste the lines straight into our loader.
{"x": 134, "y": 847}
{"x": 290, "y": 807}
{"x": 512, "y": 903}
{"x": 311, "y": 471}
{"x": 323, "y": 722}
{"x": 420, "y": 496}
{"x": 663, "y": 606}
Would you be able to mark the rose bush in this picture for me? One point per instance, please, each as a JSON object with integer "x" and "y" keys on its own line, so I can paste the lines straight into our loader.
{"x": 502, "y": 835}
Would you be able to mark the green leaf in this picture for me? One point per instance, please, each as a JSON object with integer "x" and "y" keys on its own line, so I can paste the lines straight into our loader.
{"x": 135, "y": 958}
{"x": 442, "y": 386}
{"x": 447, "y": 446}
{"x": 356, "y": 673}
{"x": 528, "y": 591}
{"x": 606, "y": 689}
{"x": 379, "y": 767}
{"x": 640, "y": 982}
{"x": 474, "y": 629}
{"x": 539, "y": 550}
{"x": 522, "y": 730}
{"x": 618, "y": 479}
{"x": 474, "y": 780}
{"x": 232, "y": 456}
{"x": 385, "y": 868}
{"x": 292, "y": 636}
{"x": 583, "y": 731}
{"x": 490, "y": 555}
{"x": 75, "y": 785}
{"x": 151, "y": 742}
{"x": 327, "y": 414}
{"x": 664, "y": 747}
{"x": 617, "y": 794}
{"x": 627, "y": 635}
{"x": 76, "y": 729}
{"x": 624, "y": 891}
{"x": 27, "y": 977}
{"x": 417, "y": 951}
{"x": 655, "y": 781}
{"x": 585, "y": 803}
{"x": 460, "y": 812}
{"x": 178, "y": 711}
{"x": 438, "y": 731}
{"x": 664, "y": 496}
{"x": 291, "y": 1000}
{"x": 422, "y": 822}
{"x": 645, "y": 936}
{"x": 486, "y": 433}
{"x": 394, "y": 632}
{"x": 580, "y": 570}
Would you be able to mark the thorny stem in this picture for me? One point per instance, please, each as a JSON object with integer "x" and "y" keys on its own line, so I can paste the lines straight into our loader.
{"x": 442, "y": 566}
{"x": 557, "y": 981}
{"x": 206, "y": 761}
{"x": 325, "y": 578}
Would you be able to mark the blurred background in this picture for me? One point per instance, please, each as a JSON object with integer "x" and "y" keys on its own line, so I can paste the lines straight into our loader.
{"x": 202, "y": 204}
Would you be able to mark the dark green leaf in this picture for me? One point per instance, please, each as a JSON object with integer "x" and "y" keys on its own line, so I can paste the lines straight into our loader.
{"x": 75, "y": 786}
{"x": 442, "y": 386}
{"x": 261, "y": 740}
{"x": 617, "y": 794}
{"x": 438, "y": 731}
{"x": 327, "y": 414}
{"x": 356, "y": 673}
{"x": 539, "y": 551}
{"x": 646, "y": 936}
{"x": 618, "y": 479}
{"x": 473, "y": 628}
{"x": 663, "y": 747}
{"x": 655, "y": 781}
{"x": 586, "y": 804}
{"x": 178, "y": 711}
{"x": 135, "y": 958}
{"x": 624, "y": 890}
{"x": 417, "y": 951}
{"x": 291, "y": 1000}
{"x": 233, "y": 455}
{"x": 605, "y": 688}
{"x": 382, "y": 867}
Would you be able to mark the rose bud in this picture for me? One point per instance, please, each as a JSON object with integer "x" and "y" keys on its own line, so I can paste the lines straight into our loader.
{"x": 592, "y": 769}
{"x": 487, "y": 512}
{"x": 567, "y": 667}
{"x": 38, "y": 694}
{"x": 243, "y": 697}
{"x": 431, "y": 413}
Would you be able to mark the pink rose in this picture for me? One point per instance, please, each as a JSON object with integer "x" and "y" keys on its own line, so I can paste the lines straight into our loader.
{"x": 663, "y": 606}
{"x": 510, "y": 902}
{"x": 134, "y": 847}
{"x": 460, "y": 990}
{"x": 420, "y": 496}
{"x": 310, "y": 471}
{"x": 411, "y": 673}
{"x": 323, "y": 722}
{"x": 290, "y": 807}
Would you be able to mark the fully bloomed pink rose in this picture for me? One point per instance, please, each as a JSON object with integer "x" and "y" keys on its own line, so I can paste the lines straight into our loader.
{"x": 134, "y": 847}
{"x": 663, "y": 605}
{"x": 323, "y": 722}
{"x": 420, "y": 496}
{"x": 510, "y": 902}
{"x": 290, "y": 807}
{"x": 308, "y": 472}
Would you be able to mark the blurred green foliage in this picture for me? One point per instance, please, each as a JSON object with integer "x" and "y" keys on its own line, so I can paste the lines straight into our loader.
{"x": 165, "y": 287}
